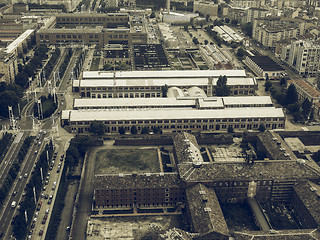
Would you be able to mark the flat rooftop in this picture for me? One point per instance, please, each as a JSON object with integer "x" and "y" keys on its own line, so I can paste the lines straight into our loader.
{"x": 159, "y": 82}
{"x": 166, "y": 74}
{"x": 171, "y": 102}
{"x": 175, "y": 113}
{"x": 18, "y": 40}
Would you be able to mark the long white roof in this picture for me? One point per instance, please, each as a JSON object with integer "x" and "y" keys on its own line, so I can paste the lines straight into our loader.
{"x": 165, "y": 114}
{"x": 241, "y": 100}
{"x": 159, "y": 82}
{"x": 213, "y": 102}
{"x": 12, "y": 46}
{"x": 163, "y": 74}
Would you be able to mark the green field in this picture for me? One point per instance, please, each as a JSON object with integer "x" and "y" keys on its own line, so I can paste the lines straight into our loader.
{"x": 126, "y": 161}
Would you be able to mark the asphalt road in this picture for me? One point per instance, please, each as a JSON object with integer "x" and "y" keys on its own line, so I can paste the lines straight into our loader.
{"x": 18, "y": 187}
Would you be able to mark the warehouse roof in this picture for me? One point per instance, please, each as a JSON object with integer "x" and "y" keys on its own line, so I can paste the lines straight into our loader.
{"x": 266, "y": 63}
{"x": 175, "y": 113}
{"x": 159, "y": 82}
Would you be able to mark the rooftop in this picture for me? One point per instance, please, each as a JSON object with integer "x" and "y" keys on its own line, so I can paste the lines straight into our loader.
{"x": 260, "y": 170}
{"x": 266, "y": 63}
{"x": 186, "y": 148}
{"x": 275, "y": 146}
{"x": 163, "y": 114}
{"x": 206, "y": 214}
{"x": 136, "y": 181}
{"x": 166, "y": 74}
{"x": 309, "y": 194}
{"x": 18, "y": 40}
{"x": 165, "y": 80}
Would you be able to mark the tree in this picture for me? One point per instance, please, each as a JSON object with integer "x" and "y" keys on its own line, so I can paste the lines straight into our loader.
{"x": 283, "y": 81}
{"x": 185, "y": 28}
{"x": 164, "y": 90}
{"x": 145, "y": 130}
{"x": 292, "y": 95}
{"x": 293, "y": 107}
{"x": 227, "y": 20}
{"x": 306, "y": 108}
{"x": 134, "y": 130}
{"x": 222, "y": 89}
{"x": 152, "y": 15}
{"x": 316, "y": 156}
{"x": 98, "y": 128}
{"x": 122, "y": 130}
{"x": 262, "y": 127}
{"x": 247, "y": 29}
{"x": 195, "y": 40}
{"x": 234, "y": 22}
{"x": 230, "y": 129}
{"x": 206, "y": 42}
{"x": 241, "y": 52}
{"x": 267, "y": 85}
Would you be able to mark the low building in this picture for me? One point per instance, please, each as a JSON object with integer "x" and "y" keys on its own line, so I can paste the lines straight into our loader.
{"x": 147, "y": 190}
{"x": 148, "y": 84}
{"x": 264, "y": 66}
{"x": 191, "y": 120}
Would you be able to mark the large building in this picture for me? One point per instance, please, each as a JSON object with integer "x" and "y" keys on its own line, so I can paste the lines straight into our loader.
{"x": 9, "y": 55}
{"x": 264, "y": 66}
{"x": 148, "y": 84}
{"x": 268, "y": 31}
{"x": 200, "y": 187}
{"x": 206, "y": 8}
{"x": 191, "y": 114}
{"x": 111, "y": 28}
{"x": 303, "y": 56}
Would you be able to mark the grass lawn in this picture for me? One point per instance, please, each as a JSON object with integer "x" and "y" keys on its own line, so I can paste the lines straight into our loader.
{"x": 95, "y": 64}
{"x": 126, "y": 161}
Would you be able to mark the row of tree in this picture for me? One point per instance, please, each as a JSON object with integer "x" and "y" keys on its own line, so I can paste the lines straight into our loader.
{"x": 52, "y": 62}
{"x": 14, "y": 169}
{"x": 10, "y": 95}
{"x": 4, "y": 143}
{"x": 65, "y": 63}
{"x": 27, "y": 207}
{"x": 29, "y": 70}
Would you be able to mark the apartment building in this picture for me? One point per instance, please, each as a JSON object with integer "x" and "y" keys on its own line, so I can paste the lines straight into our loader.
{"x": 268, "y": 31}
{"x": 303, "y": 56}
{"x": 206, "y": 8}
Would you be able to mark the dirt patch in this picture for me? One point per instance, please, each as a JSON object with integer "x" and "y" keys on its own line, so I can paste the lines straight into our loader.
{"x": 112, "y": 161}
{"x": 131, "y": 227}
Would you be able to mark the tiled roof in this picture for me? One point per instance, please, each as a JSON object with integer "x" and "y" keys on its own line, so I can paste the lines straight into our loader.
{"x": 136, "y": 181}
{"x": 205, "y": 211}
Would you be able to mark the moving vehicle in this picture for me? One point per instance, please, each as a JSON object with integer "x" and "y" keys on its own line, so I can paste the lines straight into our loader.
{"x": 13, "y": 204}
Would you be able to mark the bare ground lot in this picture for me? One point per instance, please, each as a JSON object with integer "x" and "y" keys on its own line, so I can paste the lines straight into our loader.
{"x": 113, "y": 161}
{"x": 134, "y": 228}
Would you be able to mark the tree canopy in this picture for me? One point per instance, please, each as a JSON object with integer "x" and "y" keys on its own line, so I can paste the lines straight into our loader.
{"x": 98, "y": 128}
{"x": 222, "y": 89}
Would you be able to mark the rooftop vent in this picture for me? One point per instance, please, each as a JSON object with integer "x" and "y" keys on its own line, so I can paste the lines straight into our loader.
{"x": 207, "y": 209}
{"x": 274, "y": 139}
{"x": 287, "y": 154}
{"x": 313, "y": 189}
{"x": 201, "y": 192}
{"x": 196, "y": 164}
{"x": 121, "y": 175}
{"x": 148, "y": 174}
{"x": 282, "y": 149}
{"x": 161, "y": 174}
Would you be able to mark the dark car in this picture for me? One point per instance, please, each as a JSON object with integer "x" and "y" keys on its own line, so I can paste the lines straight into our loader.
{"x": 40, "y": 232}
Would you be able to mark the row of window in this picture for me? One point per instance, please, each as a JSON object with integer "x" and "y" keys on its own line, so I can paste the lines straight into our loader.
{"x": 99, "y": 19}
{"x": 184, "y": 121}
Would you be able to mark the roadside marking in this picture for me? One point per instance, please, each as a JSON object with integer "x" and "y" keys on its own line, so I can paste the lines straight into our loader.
{"x": 18, "y": 137}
